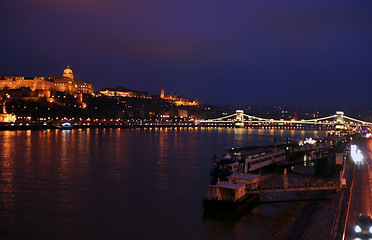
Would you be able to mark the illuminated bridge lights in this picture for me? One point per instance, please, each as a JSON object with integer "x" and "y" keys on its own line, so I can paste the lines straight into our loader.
{"x": 337, "y": 121}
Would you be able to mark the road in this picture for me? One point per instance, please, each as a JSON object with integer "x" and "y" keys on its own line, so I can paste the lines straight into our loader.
{"x": 361, "y": 198}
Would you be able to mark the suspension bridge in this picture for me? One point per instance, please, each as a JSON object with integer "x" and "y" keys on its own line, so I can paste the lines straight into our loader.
{"x": 240, "y": 119}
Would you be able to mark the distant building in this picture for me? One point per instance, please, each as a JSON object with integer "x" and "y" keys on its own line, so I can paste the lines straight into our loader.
{"x": 177, "y": 100}
{"x": 124, "y": 92}
{"x": 64, "y": 83}
{"x": 5, "y": 117}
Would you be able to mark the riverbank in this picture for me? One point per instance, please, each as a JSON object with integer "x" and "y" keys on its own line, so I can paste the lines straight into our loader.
{"x": 318, "y": 216}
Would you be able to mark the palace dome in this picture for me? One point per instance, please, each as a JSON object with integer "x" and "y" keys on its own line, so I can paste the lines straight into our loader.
{"x": 68, "y": 73}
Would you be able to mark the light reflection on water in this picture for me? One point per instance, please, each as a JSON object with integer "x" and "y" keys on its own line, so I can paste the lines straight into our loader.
{"x": 121, "y": 183}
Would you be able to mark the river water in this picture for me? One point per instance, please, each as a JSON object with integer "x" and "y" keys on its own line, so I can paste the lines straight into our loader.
{"x": 122, "y": 183}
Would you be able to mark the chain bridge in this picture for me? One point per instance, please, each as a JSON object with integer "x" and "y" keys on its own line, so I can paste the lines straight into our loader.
{"x": 240, "y": 119}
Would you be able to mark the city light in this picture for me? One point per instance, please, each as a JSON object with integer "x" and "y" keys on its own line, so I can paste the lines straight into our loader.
{"x": 66, "y": 124}
{"x": 309, "y": 141}
{"x": 356, "y": 154}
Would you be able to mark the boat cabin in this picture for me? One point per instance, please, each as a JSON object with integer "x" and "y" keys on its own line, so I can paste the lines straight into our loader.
{"x": 226, "y": 191}
{"x": 225, "y": 166}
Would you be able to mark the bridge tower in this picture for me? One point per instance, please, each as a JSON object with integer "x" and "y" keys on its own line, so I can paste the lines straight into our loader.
{"x": 340, "y": 117}
{"x": 339, "y": 120}
{"x": 239, "y": 115}
{"x": 239, "y": 118}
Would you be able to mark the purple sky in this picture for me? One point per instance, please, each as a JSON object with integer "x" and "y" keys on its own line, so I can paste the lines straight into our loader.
{"x": 221, "y": 52}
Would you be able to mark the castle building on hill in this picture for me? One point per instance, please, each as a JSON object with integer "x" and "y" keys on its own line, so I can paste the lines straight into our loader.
{"x": 124, "y": 92}
{"x": 177, "y": 100}
{"x": 64, "y": 83}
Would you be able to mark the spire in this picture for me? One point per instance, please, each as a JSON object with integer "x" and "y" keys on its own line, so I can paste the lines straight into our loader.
{"x": 162, "y": 91}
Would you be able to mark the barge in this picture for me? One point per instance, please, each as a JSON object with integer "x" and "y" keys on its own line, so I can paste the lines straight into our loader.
{"x": 232, "y": 194}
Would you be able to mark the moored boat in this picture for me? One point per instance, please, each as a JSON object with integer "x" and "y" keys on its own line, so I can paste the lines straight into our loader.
{"x": 232, "y": 194}
{"x": 223, "y": 167}
{"x": 244, "y": 162}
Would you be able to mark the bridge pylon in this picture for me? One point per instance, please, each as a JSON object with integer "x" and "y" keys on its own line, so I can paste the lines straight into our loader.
{"x": 339, "y": 120}
{"x": 340, "y": 117}
{"x": 239, "y": 118}
{"x": 239, "y": 115}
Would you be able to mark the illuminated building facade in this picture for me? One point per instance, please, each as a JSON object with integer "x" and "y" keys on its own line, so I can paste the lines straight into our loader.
{"x": 124, "y": 92}
{"x": 177, "y": 100}
{"x": 64, "y": 83}
{"x": 7, "y": 118}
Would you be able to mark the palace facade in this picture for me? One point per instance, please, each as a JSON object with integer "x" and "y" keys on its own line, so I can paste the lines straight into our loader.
{"x": 64, "y": 83}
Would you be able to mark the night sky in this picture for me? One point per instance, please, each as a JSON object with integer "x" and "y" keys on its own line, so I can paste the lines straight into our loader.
{"x": 239, "y": 52}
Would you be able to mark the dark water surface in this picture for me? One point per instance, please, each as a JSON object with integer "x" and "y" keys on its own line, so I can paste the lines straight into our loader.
{"x": 121, "y": 183}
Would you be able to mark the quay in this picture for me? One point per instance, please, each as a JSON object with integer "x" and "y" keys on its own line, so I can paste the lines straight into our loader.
{"x": 328, "y": 208}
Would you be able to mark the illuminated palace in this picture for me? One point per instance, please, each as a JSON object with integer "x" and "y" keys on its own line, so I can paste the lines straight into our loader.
{"x": 124, "y": 92}
{"x": 43, "y": 86}
{"x": 177, "y": 100}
